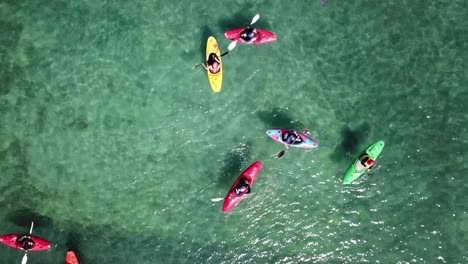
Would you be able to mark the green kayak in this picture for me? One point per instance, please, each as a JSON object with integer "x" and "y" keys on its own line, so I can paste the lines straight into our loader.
{"x": 373, "y": 151}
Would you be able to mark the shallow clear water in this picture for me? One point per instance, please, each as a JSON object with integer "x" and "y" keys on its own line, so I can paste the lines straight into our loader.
{"x": 114, "y": 147}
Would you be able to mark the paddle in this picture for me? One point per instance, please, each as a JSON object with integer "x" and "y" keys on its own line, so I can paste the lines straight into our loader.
{"x": 220, "y": 199}
{"x": 25, "y": 257}
{"x": 234, "y": 43}
{"x": 284, "y": 151}
{"x": 200, "y": 64}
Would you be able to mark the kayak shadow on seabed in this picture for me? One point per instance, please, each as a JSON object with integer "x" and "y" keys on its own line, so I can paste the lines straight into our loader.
{"x": 240, "y": 19}
{"x": 234, "y": 162}
{"x": 352, "y": 139}
{"x": 23, "y": 218}
{"x": 73, "y": 243}
{"x": 279, "y": 118}
{"x": 206, "y": 32}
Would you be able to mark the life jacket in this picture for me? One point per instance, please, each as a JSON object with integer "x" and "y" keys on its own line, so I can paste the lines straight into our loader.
{"x": 247, "y": 34}
{"x": 214, "y": 71}
{"x": 290, "y": 137}
{"x": 25, "y": 242}
{"x": 365, "y": 162}
{"x": 242, "y": 187}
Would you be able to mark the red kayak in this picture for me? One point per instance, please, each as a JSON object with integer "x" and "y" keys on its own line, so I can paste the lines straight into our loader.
{"x": 250, "y": 174}
{"x": 264, "y": 36}
{"x": 71, "y": 258}
{"x": 39, "y": 243}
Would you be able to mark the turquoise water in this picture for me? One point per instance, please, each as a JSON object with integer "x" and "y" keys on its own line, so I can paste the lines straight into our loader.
{"x": 114, "y": 147}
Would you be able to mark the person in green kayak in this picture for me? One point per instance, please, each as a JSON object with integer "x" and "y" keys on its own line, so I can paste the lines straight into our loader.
{"x": 25, "y": 242}
{"x": 249, "y": 35}
{"x": 365, "y": 162}
{"x": 242, "y": 187}
{"x": 291, "y": 137}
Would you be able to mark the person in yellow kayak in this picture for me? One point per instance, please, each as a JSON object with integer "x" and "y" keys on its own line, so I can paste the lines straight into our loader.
{"x": 213, "y": 64}
{"x": 365, "y": 162}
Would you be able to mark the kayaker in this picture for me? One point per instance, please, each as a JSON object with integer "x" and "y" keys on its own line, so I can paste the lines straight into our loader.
{"x": 290, "y": 138}
{"x": 25, "y": 241}
{"x": 242, "y": 187}
{"x": 249, "y": 35}
{"x": 213, "y": 64}
{"x": 365, "y": 162}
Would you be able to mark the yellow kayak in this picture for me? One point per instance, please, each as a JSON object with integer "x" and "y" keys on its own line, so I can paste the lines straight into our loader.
{"x": 215, "y": 79}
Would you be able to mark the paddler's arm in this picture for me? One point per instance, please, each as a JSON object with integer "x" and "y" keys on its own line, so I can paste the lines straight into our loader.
{"x": 204, "y": 66}
{"x": 217, "y": 60}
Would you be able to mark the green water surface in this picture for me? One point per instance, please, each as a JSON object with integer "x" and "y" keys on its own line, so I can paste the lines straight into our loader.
{"x": 114, "y": 146}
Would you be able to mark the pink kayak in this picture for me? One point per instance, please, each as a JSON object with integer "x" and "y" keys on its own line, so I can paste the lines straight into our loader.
{"x": 279, "y": 134}
{"x": 39, "y": 243}
{"x": 264, "y": 37}
{"x": 250, "y": 174}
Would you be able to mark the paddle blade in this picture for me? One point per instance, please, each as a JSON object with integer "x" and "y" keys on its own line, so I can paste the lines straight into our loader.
{"x": 306, "y": 130}
{"x": 232, "y": 45}
{"x": 217, "y": 199}
{"x": 281, "y": 154}
{"x": 255, "y": 19}
{"x": 25, "y": 258}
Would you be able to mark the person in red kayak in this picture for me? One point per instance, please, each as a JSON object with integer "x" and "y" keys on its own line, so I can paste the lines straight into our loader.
{"x": 292, "y": 137}
{"x": 249, "y": 35}
{"x": 25, "y": 241}
{"x": 365, "y": 162}
{"x": 242, "y": 187}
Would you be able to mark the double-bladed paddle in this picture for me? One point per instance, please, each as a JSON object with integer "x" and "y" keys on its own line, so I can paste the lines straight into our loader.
{"x": 234, "y": 43}
{"x": 25, "y": 257}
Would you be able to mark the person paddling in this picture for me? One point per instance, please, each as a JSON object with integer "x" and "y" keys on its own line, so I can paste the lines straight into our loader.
{"x": 242, "y": 187}
{"x": 290, "y": 138}
{"x": 213, "y": 64}
{"x": 249, "y": 35}
{"x": 25, "y": 241}
{"x": 365, "y": 162}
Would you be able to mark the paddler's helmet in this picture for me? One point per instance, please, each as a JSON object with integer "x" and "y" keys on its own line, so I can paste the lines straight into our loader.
{"x": 370, "y": 162}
